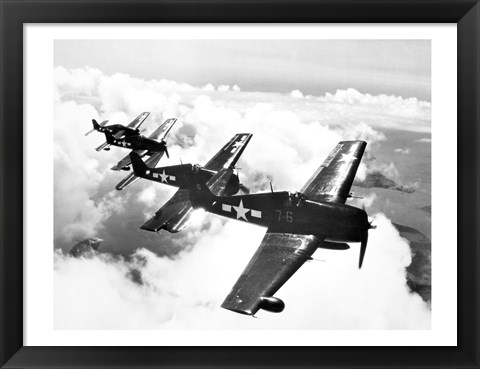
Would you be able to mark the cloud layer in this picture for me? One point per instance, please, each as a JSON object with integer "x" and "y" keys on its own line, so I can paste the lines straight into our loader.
{"x": 185, "y": 292}
{"x": 180, "y": 285}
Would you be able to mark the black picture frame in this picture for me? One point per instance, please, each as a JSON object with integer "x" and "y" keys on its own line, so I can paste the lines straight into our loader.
{"x": 14, "y": 14}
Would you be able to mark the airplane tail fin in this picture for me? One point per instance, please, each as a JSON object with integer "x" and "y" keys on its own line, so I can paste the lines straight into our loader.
{"x": 139, "y": 167}
{"x": 201, "y": 196}
{"x": 96, "y": 126}
{"x": 109, "y": 137}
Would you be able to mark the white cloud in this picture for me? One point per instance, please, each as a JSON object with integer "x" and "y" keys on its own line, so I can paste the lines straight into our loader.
{"x": 402, "y": 151}
{"x": 297, "y": 94}
{"x": 424, "y": 140}
{"x": 186, "y": 292}
{"x": 223, "y": 88}
{"x": 368, "y": 200}
{"x": 291, "y": 139}
{"x": 209, "y": 87}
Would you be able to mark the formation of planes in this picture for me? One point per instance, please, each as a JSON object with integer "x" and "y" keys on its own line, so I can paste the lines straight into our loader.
{"x": 298, "y": 223}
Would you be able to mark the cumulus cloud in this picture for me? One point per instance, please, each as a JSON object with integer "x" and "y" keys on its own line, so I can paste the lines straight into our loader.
{"x": 402, "y": 151}
{"x": 185, "y": 292}
{"x": 209, "y": 87}
{"x": 368, "y": 200}
{"x": 296, "y": 94}
{"x": 223, "y": 88}
{"x": 179, "y": 285}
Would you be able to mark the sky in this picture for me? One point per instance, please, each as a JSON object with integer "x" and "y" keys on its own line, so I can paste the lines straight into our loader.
{"x": 392, "y": 67}
{"x": 141, "y": 280}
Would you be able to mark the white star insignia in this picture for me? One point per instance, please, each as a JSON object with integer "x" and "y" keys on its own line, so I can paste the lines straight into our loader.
{"x": 348, "y": 158}
{"x": 241, "y": 211}
{"x": 164, "y": 177}
{"x": 236, "y": 144}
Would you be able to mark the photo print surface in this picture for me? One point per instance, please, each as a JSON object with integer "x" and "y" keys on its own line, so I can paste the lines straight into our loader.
{"x": 298, "y": 99}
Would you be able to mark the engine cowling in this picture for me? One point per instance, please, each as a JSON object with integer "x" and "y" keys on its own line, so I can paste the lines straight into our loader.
{"x": 272, "y": 304}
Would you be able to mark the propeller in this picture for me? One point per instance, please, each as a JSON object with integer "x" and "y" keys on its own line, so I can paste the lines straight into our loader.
{"x": 244, "y": 189}
{"x": 364, "y": 241}
{"x": 166, "y": 152}
{"x": 363, "y": 249}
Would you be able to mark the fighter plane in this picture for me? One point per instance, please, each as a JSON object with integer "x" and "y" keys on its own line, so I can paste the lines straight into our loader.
{"x": 154, "y": 146}
{"x": 297, "y": 224}
{"x": 118, "y": 130}
{"x": 217, "y": 175}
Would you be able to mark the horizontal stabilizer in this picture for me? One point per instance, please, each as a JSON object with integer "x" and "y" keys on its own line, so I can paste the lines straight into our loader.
{"x": 151, "y": 162}
{"x": 102, "y": 146}
{"x": 96, "y": 126}
{"x": 127, "y": 181}
{"x": 126, "y": 160}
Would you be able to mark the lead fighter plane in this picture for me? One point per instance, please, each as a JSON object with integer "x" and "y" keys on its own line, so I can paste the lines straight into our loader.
{"x": 217, "y": 176}
{"x": 297, "y": 224}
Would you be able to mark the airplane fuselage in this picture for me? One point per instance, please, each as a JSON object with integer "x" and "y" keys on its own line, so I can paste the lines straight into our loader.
{"x": 114, "y": 128}
{"x": 137, "y": 142}
{"x": 290, "y": 213}
{"x": 185, "y": 176}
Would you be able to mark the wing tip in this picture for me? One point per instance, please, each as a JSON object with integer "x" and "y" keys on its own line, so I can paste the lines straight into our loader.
{"x": 236, "y": 309}
{"x": 165, "y": 226}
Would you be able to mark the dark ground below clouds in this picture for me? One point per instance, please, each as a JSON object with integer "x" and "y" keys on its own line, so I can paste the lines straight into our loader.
{"x": 405, "y": 200}
{"x": 419, "y": 272}
{"x": 378, "y": 179}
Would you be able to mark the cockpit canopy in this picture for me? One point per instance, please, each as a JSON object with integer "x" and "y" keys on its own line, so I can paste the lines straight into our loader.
{"x": 295, "y": 199}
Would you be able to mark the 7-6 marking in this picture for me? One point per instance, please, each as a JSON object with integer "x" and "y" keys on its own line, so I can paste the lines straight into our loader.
{"x": 286, "y": 215}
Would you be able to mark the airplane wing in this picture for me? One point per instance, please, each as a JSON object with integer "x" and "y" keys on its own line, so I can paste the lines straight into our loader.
{"x": 162, "y": 131}
{"x": 102, "y": 146}
{"x": 333, "y": 179}
{"x": 134, "y": 124}
{"x": 106, "y": 144}
{"x": 151, "y": 162}
{"x": 126, "y": 160}
{"x": 175, "y": 214}
{"x": 279, "y": 256}
{"x": 230, "y": 153}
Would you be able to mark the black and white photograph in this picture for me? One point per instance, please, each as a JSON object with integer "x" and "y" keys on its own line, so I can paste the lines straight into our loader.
{"x": 243, "y": 184}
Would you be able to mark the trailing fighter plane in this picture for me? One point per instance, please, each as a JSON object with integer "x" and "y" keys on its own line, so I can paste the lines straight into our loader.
{"x": 217, "y": 175}
{"x": 297, "y": 224}
{"x": 118, "y": 130}
{"x": 154, "y": 146}
{"x": 154, "y": 143}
